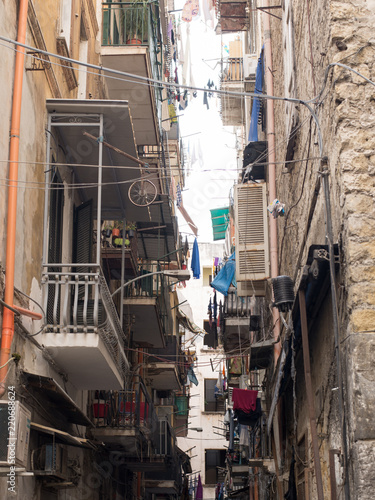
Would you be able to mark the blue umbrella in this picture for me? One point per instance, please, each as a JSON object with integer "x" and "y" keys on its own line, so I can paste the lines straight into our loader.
{"x": 195, "y": 263}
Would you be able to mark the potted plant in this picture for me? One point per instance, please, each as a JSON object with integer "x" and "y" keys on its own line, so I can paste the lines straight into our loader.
{"x": 130, "y": 228}
{"x": 136, "y": 22}
{"x": 116, "y": 228}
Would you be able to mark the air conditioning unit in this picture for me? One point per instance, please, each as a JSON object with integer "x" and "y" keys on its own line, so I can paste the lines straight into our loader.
{"x": 14, "y": 433}
{"x": 250, "y": 63}
{"x": 251, "y": 232}
{"x": 50, "y": 460}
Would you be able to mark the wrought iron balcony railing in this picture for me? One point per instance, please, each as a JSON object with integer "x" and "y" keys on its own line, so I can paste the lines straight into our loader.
{"x": 236, "y": 306}
{"x": 126, "y": 24}
{"x": 77, "y": 300}
{"x": 131, "y": 409}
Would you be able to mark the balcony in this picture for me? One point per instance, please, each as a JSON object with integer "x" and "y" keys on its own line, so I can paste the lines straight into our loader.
{"x": 236, "y": 321}
{"x": 83, "y": 331}
{"x": 165, "y": 368}
{"x": 232, "y": 80}
{"x": 111, "y": 256}
{"x": 147, "y": 309}
{"x": 127, "y": 420}
{"x": 131, "y": 42}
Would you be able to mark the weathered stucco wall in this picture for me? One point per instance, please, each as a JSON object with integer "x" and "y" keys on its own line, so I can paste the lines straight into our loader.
{"x": 43, "y": 25}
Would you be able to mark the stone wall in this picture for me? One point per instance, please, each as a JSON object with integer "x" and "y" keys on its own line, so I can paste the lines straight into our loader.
{"x": 340, "y": 32}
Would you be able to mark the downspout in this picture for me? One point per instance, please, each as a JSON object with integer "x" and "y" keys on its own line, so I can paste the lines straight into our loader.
{"x": 8, "y": 315}
{"x": 271, "y": 169}
{"x": 272, "y": 196}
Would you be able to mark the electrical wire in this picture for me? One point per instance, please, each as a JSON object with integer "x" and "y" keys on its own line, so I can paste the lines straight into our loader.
{"x": 9, "y": 360}
{"x": 162, "y": 83}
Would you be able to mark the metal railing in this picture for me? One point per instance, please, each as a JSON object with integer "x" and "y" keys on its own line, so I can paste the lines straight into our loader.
{"x": 233, "y": 70}
{"x": 236, "y": 306}
{"x": 134, "y": 24}
{"x": 174, "y": 356}
{"x": 132, "y": 409}
{"x": 155, "y": 286}
{"x": 125, "y": 23}
{"x": 77, "y": 300}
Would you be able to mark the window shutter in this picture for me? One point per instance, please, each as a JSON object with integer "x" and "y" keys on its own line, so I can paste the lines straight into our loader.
{"x": 251, "y": 231}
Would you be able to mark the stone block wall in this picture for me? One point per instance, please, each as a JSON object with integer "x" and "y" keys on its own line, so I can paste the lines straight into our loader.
{"x": 326, "y": 32}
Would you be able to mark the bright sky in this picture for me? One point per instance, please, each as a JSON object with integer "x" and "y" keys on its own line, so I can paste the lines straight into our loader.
{"x": 211, "y": 177}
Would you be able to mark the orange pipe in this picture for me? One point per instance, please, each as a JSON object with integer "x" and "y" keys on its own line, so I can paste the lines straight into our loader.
{"x": 29, "y": 314}
{"x": 8, "y": 315}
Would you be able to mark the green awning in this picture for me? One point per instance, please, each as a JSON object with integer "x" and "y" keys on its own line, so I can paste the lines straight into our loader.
{"x": 220, "y": 220}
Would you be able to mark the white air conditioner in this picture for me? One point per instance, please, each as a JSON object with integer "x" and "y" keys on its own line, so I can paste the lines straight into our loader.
{"x": 250, "y": 63}
{"x": 251, "y": 233}
{"x": 50, "y": 459}
{"x": 14, "y": 433}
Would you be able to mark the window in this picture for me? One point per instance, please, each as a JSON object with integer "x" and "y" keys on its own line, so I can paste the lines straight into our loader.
{"x": 55, "y": 238}
{"x": 212, "y": 402}
{"x": 207, "y": 276}
{"x": 214, "y": 462}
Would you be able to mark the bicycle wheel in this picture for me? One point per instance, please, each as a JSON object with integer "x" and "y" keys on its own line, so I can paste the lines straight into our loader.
{"x": 142, "y": 193}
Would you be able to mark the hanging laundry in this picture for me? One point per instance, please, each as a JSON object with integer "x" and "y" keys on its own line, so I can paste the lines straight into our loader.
{"x": 178, "y": 195}
{"x": 253, "y": 129}
{"x": 172, "y": 113}
{"x": 249, "y": 417}
{"x": 186, "y": 248}
{"x": 191, "y": 376}
{"x": 244, "y": 435}
{"x": 205, "y": 100}
{"x": 215, "y": 307}
{"x": 219, "y": 383}
{"x": 224, "y": 278}
{"x": 244, "y": 400}
{"x": 199, "y": 492}
{"x": 190, "y": 10}
{"x": 291, "y": 494}
{"x": 195, "y": 261}
{"x": 210, "y": 313}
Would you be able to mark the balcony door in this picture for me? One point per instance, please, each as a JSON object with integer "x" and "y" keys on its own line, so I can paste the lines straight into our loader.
{"x": 55, "y": 239}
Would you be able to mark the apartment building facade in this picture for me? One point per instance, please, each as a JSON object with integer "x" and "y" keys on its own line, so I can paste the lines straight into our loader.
{"x": 91, "y": 356}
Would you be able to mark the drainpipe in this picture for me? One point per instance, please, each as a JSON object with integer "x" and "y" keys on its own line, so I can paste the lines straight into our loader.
{"x": 271, "y": 167}
{"x": 8, "y": 315}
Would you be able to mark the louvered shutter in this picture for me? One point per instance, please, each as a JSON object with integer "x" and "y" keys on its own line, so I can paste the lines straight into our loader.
{"x": 251, "y": 232}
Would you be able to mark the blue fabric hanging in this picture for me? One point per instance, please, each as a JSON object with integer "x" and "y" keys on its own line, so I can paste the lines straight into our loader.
{"x": 253, "y": 130}
{"x": 191, "y": 376}
{"x": 195, "y": 262}
{"x": 225, "y": 276}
